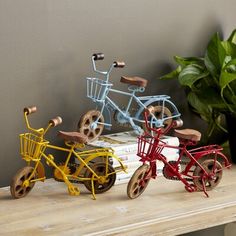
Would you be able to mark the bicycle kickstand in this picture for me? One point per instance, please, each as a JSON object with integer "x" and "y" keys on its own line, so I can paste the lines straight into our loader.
{"x": 204, "y": 187}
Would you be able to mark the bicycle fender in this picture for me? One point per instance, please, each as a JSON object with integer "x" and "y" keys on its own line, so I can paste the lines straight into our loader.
{"x": 150, "y": 101}
{"x": 103, "y": 153}
{"x": 220, "y": 156}
{"x": 225, "y": 159}
{"x": 40, "y": 170}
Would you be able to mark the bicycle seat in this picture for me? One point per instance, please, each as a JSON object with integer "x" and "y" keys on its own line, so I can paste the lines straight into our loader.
{"x": 189, "y": 134}
{"x": 75, "y": 137}
{"x": 140, "y": 82}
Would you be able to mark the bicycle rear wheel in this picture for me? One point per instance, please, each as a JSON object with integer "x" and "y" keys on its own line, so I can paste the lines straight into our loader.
{"x": 214, "y": 170}
{"x": 160, "y": 113}
{"x": 106, "y": 177}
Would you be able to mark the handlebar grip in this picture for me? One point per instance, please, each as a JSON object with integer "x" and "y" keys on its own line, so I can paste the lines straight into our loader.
{"x": 119, "y": 64}
{"x": 30, "y": 110}
{"x": 56, "y": 121}
{"x": 178, "y": 123}
{"x": 98, "y": 56}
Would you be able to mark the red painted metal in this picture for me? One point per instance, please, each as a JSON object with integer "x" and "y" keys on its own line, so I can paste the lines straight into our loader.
{"x": 208, "y": 173}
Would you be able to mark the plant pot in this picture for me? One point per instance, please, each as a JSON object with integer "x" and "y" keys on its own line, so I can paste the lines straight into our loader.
{"x": 231, "y": 125}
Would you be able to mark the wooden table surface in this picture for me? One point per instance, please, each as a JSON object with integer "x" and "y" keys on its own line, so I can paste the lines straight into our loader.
{"x": 165, "y": 208}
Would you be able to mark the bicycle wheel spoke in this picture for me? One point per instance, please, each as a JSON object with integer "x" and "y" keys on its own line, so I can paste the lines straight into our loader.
{"x": 22, "y": 191}
{"x": 19, "y": 182}
{"x": 87, "y": 123}
{"x": 90, "y": 120}
{"x": 136, "y": 189}
{"x": 95, "y": 131}
{"x": 143, "y": 175}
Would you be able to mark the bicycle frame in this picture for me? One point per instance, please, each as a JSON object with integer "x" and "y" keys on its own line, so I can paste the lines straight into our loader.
{"x": 194, "y": 155}
{"x": 198, "y": 174}
{"x": 84, "y": 157}
{"x": 106, "y": 104}
{"x": 162, "y": 99}
{"x": 33, "y": 149}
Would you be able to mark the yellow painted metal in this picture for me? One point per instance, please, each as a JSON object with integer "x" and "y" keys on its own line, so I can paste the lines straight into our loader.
{"x": 33, "y": 148}
{"x": 40, "y": 171}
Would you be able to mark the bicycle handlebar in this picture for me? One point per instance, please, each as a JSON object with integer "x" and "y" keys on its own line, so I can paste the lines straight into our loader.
{"x": 30, "y": 110}
{"x": 56, "y": 121}
{"x": 98, "y": 56}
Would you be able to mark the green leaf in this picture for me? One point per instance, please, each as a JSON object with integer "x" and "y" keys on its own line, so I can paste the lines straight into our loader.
{"x": 230, "y": 66}
{"x": 199, "y": 107}
{"x": 226, "y": 78}
{"x": 210, "y": 96}
{"x": 229, "y": 97}
{"x": 185, "y": 61}
{"x": 173, "y": 74}
{"x": 232, "y": 37}
{"x": 190, "y": 74}
{"x": 230, "y": 48}
{"x": 215, "y": 55}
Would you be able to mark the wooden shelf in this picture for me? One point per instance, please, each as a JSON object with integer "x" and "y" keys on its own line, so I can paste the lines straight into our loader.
{"x": 165, "y": 208}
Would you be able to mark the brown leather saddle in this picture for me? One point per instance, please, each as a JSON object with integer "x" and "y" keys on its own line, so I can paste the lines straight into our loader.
{"x": 188, "y": 134}
{"x": 140, "y": 82}
{"x": 74, "y": 137}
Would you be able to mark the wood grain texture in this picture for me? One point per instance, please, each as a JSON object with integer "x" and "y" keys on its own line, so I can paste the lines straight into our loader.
{"x": 165, "y": 208}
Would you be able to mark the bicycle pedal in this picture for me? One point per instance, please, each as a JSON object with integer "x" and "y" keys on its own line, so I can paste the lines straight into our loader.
{"x": 73, "y": 191}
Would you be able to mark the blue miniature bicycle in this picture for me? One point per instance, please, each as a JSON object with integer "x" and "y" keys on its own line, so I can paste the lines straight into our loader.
{"x": 98, "y": 90}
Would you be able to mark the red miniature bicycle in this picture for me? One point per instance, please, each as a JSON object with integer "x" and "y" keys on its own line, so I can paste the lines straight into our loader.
{"x": 203, "y": 165}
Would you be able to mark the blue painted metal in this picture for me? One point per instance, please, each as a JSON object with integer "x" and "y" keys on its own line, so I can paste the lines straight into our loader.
{"x": 99, "y": 89}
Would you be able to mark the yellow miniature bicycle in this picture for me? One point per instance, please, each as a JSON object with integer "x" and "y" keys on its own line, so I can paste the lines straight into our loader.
{"x": 93, "y": 168}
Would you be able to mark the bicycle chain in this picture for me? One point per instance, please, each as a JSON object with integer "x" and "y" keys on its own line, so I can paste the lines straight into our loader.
{"x": 174, "y": 177}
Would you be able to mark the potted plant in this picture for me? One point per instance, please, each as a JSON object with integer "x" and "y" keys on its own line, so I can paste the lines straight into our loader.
{"x": 210, "y": 84}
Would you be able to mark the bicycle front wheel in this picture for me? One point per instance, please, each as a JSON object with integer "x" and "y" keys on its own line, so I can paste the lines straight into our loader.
{"x": 138, "y": 182}
{"x": 21, "y": 185}
{"x": 88, "y": 127}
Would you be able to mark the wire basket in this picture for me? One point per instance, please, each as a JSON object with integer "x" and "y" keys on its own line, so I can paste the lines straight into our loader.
{"x": 32, "y": 146}
{"x": 97, "y": 89}
{"x": 149, "y": 147}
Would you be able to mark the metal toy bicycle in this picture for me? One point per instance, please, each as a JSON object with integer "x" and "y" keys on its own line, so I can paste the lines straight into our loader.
{"x": 94, "y": 169}
{"x": 92, "y": 123}
{"x": 203, "y": 168}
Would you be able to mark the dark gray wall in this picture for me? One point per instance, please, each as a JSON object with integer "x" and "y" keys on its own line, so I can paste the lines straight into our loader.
{"x": 45, "y": 49}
